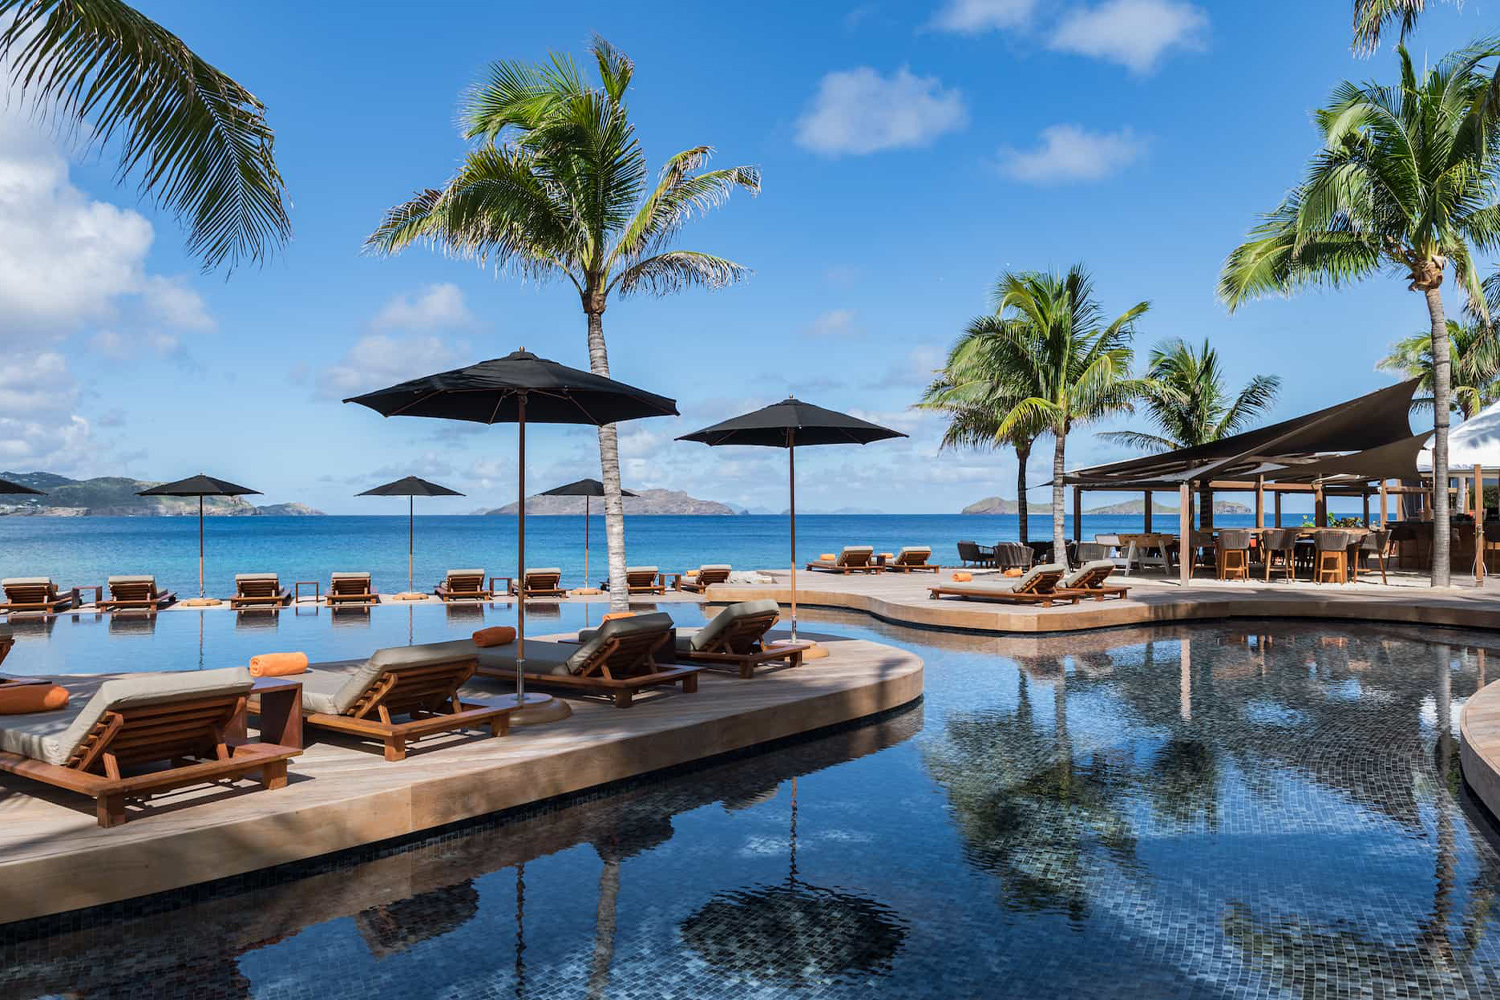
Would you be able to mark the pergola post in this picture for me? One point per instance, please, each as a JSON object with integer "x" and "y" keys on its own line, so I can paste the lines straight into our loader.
{"x": 1148, "y": 512}
{"x": 1077, "y": 514}
{"x": 1260, "y": 502}
{"x": 1384, "y": 510}
{"x": 1276, "y": 501}
{"x": 1478, "y": 524}
{"x": 1365, "y": 499}
{"x": 1320, "y": 506}
{"x": 1185, "y": 533}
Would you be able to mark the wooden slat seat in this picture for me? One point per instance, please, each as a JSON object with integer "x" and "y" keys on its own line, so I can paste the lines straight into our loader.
{"x": 136, "y": 593}
{"x": 734, "y": 639}
{"x": 259, "y": 590}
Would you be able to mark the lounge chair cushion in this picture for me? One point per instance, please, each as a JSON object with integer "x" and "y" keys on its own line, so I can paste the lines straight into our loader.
{"x": 349, "y": 576}
{"x": 914, "y": 550}
{"x": 992, "y": 585}
{"x": 641, "y": 569}
{"x": 541, "y": 657}
{"x": 567, "y": 658}
{"x": 138, "y": 578}
{"x": 466, "y": 572}
{"x": 26, "y": 581}
{"x": 853, "y": 550}
{"x": 1076, "y": 577}
{"x": 53, "y": 736}
{"x": 725, "y": 567}
{"x": 544, "y": 571}
{"x": 704, "y": 637}
{"x": 252, "y": 577}
{"x": 332, "y": 688}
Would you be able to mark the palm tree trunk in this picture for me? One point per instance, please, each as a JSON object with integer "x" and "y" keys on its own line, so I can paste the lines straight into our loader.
{"x": 1059, "y": 541}
{"x": 1023, "y": 455}
{"x": 1441, "y": 379}
{"x": 609, "y": 473}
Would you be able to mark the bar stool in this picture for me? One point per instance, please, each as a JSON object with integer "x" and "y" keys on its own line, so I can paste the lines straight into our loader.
{"x": 1331, "y": 550}
{"x": 1233, "y": 554}
{"x": 1282, "y": 542}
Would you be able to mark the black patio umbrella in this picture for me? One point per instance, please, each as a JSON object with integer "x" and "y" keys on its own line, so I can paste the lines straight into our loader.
{"x": 792, "y": 424}
{"x": 6, "y": 486}
{"x": 199, "y": 486}
{"x": 410, "y": 487}
{"x": 586, "y": 488}
{"x": 518, "y": 388}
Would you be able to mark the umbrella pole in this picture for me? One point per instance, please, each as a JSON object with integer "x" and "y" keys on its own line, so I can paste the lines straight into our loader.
{"x": 791, "y": 453}
{"x": 411, "y": 542}
{"x": 201, "y": 591}
{"x": 585, "y": 540}
{"x": 521, "y": 551}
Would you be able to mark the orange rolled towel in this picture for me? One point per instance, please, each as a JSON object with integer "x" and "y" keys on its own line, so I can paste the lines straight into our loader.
{"x": 963, "y": 577}
{"x": 23, "y": 699}
{"x": 827, "y": 557}
{"x": 617, "y": 614}
{"x": 496, "y": 635}
{"x": 278, "y": 664}
{"x": 1013, "y": 572}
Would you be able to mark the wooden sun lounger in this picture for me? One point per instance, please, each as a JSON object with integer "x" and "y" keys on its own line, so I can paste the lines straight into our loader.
{"x": 859, "y": 559}
{"x": 136, "y": 594}
{"x": 707, "y": 577}
{"x": 913, "y": 560}
{"x": 539, "y": 583}
{"x": 426, "y": 693}
{"x": 644, "y": 580}
{"x": 738, "y": 643}
{"x": 7, "y": 641}
{"x": 351, "y": 590}
{"x": 259, "y": 590}
{"x": 189, "y": 733}
{"x": 1038, "y": 586}
{"x": 1088, "y": 582}
{"x": 464, "y": 587}
{"x": 34, "y": 594}
{"x": 619, "y": 665}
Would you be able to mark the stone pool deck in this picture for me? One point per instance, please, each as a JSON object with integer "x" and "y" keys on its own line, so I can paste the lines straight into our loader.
{"x": 343, "y": 794}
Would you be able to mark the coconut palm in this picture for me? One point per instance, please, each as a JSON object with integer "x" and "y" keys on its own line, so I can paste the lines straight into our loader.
{"x": 976, "y": 388}
{"x": 1405, "y": 184}
{"x": 1077, "y": 368}
{"x": 1371, "y": 17}
{"x": 556, "y": 185}
{"x": 1474, "y": 357}
{"x": 197, "y": 141}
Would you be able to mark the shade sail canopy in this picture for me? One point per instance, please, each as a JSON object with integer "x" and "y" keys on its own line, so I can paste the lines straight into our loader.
{"x": 490, "y": 392}
{"x": 582, "y": 488}
{"x": 1368, "y": 422}
{"x": 411, "y": 486}
{"x": 199, "y": 486}
{"x": 1476, "y": 441}
{"x": 1397, "y": 460}
{"x": 792, "y": 423}
{"x": 6, "y": 486}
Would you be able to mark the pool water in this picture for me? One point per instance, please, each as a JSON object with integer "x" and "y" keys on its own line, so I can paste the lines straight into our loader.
{"x": 1252, "y": 809}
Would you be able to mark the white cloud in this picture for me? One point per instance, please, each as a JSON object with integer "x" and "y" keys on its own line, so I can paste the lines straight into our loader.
{"x": 971, "y": 17}
{"x": 1070, "y": 153}
{"x": 38, "y": 428}
{"x": 1133, "y": 33}
{"x": 377, "y": 360}
{"x": 834, "y": 323}
{"x": 174, "y": 303}
{"x": 439, "y": 306}
{"x": 859, "y": 111}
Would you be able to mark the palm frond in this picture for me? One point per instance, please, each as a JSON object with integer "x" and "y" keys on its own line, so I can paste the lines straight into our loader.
{"x": 198, "y": 142}
{"x": 675, "y": 270}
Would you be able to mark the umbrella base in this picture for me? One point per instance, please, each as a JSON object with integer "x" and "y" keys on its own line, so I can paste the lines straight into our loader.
{"x": 539, "y": 709}
{"x": 585, "y": 592}
{"x": 816, "y": 652}
{"x": 410, "y": 595}
{"x": 202, "y": 602}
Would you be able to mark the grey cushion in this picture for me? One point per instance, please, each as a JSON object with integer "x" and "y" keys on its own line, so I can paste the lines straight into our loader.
{"x": 724, "y": 566}
{"x": 567, "y": 657}
{"x": 332, "y": 688}
{"x": 53, "y": 736}
{"x": 138, "y": 578}
{"x": 640, "y": 569}
{"x": 548, "y": 570}
{"x": 251, "y": 577}
{"x": 1073, "y": 578}
{"x": 1004, "y": 585}
{"x": 914, "y": 550}
{"x": 348, "y": 576}
{"x": 465, "y": 572}
{"x": 26, "y": 581}
{"x": 703, "y": 637}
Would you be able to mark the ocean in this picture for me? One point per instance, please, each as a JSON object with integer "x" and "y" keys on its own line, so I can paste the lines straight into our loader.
{"x": 87, "y": 550}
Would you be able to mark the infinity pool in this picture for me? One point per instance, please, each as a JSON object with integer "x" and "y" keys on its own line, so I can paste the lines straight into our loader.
{"x": 1242, "y": 810}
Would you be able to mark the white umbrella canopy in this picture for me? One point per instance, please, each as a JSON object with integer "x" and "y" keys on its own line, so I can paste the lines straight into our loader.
{"x": 1476, "y": 441}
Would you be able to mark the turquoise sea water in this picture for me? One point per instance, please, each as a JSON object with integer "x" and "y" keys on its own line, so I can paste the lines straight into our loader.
{"x": 80, "y": 551}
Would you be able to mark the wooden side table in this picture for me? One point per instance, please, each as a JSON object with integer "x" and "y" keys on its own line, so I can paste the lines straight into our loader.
{"x": 78, "y": 591}
{"x": 278, "y": 703}
{"x": 316, "y": 585}
{"x": 676, "y": 580}
{"x": 508, "y": 580}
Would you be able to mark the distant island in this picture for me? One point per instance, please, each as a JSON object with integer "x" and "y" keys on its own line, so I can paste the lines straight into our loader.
{"x": 648, "y": 502}
{"x": 999, "y": 505}
{"x": 115, "y": 496}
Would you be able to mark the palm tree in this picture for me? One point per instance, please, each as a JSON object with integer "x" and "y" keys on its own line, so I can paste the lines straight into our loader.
{"x": 1372, "y": 16}
{"x": 1404, "y": 183}
{"x": 556, "y": 185}
{"x": 1474, "y": 356}
{"x": 976, "y": 388}
{"x": 196, "y": 139}
{"x": 1186, "y": 398}
{"x": 1076, "y": 370}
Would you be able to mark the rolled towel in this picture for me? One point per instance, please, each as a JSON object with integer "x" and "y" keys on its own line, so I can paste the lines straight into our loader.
{"x": 495, "y": 635}
{"x": 616, "y": 614}
{"x": 23, "y": 699}
{"x": 1014, "y": 572}
{"x": 961, "y": 577}
{"x": 278, "y": 664}
{"x": 827, "y": 557}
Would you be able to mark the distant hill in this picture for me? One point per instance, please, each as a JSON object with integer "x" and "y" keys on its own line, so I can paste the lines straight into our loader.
{"x": 1139, "y": 507}
{"x": 648, "y": 502}
{"x": 115, "y": 496}
{"x": 991, "y": 505}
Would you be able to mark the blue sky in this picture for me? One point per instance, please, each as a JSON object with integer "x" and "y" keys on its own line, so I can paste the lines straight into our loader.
{"x": 910, "y": 152}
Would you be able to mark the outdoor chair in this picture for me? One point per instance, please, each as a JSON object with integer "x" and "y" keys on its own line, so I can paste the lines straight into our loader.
{"x": 1012, "y": 555}
{"x": 707, "y": 576}
{"x": 135, "y": 593}
{"x": 1279, "y": 542}
{"x": 1038, "y": 586}
{"x": 1491, "y": 541}
{"x": 33, "y": 593}
{"x": 464, "y": 585}
{"x": 1232, "y": 554}
{"x": 1087, "y": 552}
{"x": 851, "y": 559}
{"x": 1375, "y": 545}
{"x": 258, "y": 590}
{"x": 1088, "y": 581}
{"x": 351, "y": 590}
{"x": 113, "y": 725}
{"x": 418, "y": 682}
{"x": 1331, "y": 559}
{"x": 539, "y": 583}
{"x": 617, "y": 660}
{"x": 969, "y": 554}
{"x": 642, "y": 580}
{"x": 912, "y": 559}
{"x": 735, "y": 639}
